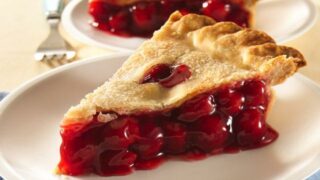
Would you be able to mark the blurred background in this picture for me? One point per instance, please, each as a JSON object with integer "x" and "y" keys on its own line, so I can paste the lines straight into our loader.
{"x": 23, "y": 28}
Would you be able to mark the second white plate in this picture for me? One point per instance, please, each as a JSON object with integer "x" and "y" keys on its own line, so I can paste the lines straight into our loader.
{"x": 282, "y": 19}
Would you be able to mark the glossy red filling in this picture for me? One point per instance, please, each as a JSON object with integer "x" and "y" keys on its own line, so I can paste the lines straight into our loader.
{"x": 143, "y": 18}
{"x": 225, "y": 120}
{"x": 166, "y": 75}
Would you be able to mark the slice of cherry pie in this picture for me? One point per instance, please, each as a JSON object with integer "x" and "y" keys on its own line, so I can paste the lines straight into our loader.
{"x": 195, "y": 89}
{"x": 143, "y": 17}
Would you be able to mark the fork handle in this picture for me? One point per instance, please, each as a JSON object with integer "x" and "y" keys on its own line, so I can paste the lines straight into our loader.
{"x": 53, "y": 8}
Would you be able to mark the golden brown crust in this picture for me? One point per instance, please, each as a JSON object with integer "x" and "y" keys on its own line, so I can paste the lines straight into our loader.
{"x": 250, "y": 2}
{"x": 216, "y": 53}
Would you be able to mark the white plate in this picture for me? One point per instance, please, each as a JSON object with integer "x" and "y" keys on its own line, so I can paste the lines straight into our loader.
{"x": 282, "y": 19}
{"x": 29, "y": 138}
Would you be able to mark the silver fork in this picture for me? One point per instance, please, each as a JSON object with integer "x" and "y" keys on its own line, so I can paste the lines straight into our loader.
{"x": 54, "y": 50}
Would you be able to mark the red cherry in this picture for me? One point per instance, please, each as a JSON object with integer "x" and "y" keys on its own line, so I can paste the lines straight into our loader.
{"x": 249, "y": 127}
{"x": 148, "y": 148}
{"x": 175, "y": 137}
{"x": 144, "y": 16}
{"x": 90, "y": 137}
{"x": 195, "y": 155}
{"x": 209, "y": 133}
{"x": 101, "y": 10}
{"x": 184, "y": 11}
{"x": 235, "y": 2}
{"x": 166, "y": 8}
{"x": 119, "y": 21}
{"x": 116, "y": 162}
{"x": 120, "y": 133}
{"x": 255, "y": 93}
{"x": 193, "y": 6}
{"x": 76, "y": 161}
{"x": 216, "y": 9}
{"x": 78, "y": 151}
{"x": 72, "y": 131}
{"x": 150, "y": 143}
{"x": 179, "y": 74}
{"x": 230, "y": 101}
{"x": 239, "y": 16}
{"x": 195, "y": 108}
{"x": 103, "y": 25}
{"x": 167, "y": 76}
{"x": 156, "y": 73}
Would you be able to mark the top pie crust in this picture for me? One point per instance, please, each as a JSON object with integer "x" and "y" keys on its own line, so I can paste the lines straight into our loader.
{"x": 216, "y": 53}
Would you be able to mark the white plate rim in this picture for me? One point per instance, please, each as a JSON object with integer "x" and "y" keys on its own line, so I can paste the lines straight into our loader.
{"x": 72, "y": 30}
{"x": 8, "y": 172}
{"x": 307, "y": 24}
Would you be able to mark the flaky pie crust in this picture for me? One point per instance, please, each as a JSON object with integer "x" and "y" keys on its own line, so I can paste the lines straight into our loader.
{"x": 216, "y": 53}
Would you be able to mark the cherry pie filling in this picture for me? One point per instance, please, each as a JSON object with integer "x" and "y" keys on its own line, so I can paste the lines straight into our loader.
{"x": 224, "y": 120}
{"x": 143, "y": 18}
